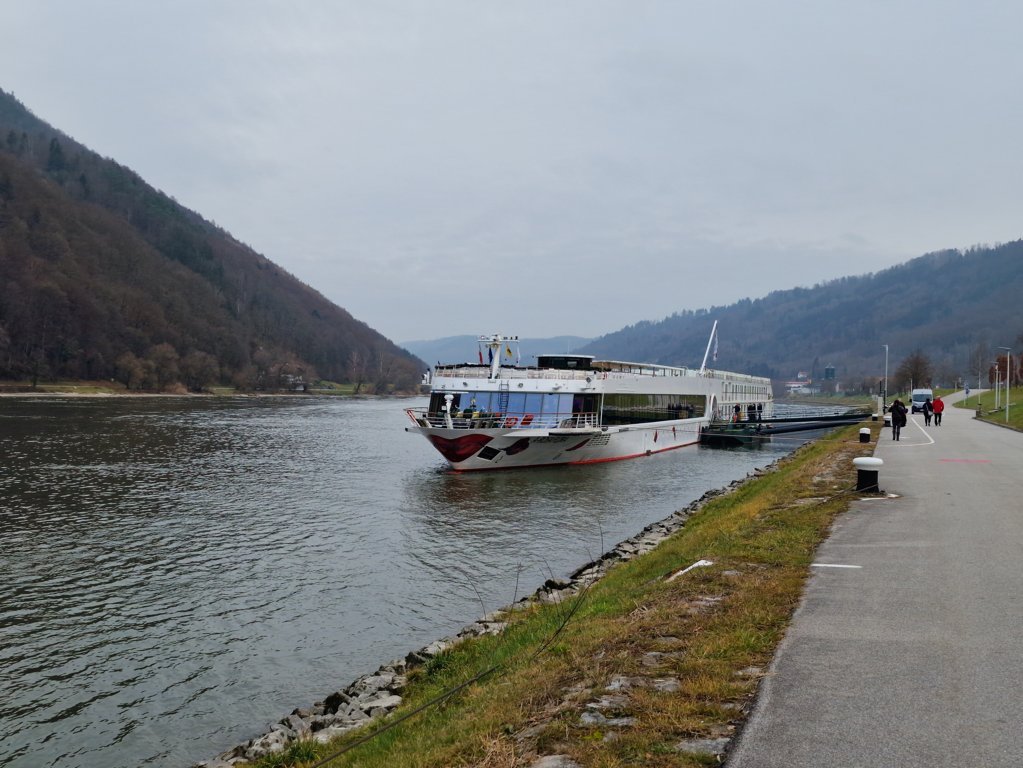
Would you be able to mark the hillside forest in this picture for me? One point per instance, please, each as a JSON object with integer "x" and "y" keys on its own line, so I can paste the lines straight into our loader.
{"x": 104, "y": 277}
{"x": 943, "y": 316}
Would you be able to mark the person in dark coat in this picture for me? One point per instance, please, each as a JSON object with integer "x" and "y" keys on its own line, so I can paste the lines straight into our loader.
{"x": 898, "y": 412}
{"x": 928, "y": 410}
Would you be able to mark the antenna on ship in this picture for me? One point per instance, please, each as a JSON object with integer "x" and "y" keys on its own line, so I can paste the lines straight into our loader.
{"x": 712, "y": 340}
{"x": 496, "y": 344}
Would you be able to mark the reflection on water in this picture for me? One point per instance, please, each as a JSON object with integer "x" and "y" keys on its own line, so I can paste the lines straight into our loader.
{"x": 177, "y": 573}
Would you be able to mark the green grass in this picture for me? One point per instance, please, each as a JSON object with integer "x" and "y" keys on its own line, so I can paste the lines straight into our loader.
{"x": 986, "y": 401}
{"x": 716, "y": 629}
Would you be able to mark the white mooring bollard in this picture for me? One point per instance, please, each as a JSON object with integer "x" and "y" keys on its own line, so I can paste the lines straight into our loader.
{"x": 867, "y": 468}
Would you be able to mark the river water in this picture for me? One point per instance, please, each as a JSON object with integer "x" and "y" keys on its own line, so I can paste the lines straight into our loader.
{"x": 177, "y": 573}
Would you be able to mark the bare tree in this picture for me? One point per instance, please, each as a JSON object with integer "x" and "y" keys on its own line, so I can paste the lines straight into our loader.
{"x": 914, "y": 371}
{"x": 980, "y": 358}
{"x": 165, "y": 364}
{"x": 199, "y": 370}
{"x": 356, "y": 370}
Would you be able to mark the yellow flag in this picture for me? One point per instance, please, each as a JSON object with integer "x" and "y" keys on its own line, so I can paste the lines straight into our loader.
{"x": 507, "y": 351}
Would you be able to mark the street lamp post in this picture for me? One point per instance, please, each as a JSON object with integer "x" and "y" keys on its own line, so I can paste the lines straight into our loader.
{"x": 885, "y": 391}
{"x": 1008, "y": 378}
{"x": 998, "y": 390}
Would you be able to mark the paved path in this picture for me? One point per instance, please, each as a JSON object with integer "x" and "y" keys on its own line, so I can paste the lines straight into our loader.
{"x": 914, "y": 657}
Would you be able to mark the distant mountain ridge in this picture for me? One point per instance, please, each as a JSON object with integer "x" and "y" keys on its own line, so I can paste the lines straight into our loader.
{"x": 462, "y": 349}
{"x": 102, "y": 276}
{"x": 943, "y": 304}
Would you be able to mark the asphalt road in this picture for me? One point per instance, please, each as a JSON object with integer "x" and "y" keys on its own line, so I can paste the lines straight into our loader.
{"x": 912, "y": 654}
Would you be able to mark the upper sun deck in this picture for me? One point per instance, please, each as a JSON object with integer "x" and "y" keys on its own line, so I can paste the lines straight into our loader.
{"x": 603, "y": 368}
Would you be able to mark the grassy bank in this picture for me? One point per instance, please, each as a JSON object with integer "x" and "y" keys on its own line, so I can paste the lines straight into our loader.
{"x": 986, "y": 401}
{"x": 637, "y": 667}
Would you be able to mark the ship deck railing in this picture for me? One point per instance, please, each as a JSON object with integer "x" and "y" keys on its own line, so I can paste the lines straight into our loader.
{"x": 601, "y": 369}
{"x": 478, "y": 420}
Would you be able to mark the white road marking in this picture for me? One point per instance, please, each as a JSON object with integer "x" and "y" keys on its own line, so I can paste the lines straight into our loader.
{"x": 930, "y": 440}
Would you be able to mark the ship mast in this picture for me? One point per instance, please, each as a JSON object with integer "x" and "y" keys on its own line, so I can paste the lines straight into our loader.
{"x": 496, "y": 344}
{"x": 711, "y": 340}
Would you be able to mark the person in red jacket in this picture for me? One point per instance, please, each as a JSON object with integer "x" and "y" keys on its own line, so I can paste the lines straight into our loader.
{"x": 939, "y": 406}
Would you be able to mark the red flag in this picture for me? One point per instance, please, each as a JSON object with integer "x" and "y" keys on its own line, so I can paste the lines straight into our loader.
{"x": 480, "y": 353}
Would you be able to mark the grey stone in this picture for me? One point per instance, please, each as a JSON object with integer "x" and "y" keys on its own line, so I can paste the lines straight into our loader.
{"x": 550, "y": 598}
{"x": 557, "y": 584}
{"x": 319, "y": 722}
{"x": 397, "y": 683}
{"x": 329, "y": 734}
{"x": 702, "y": 746}
{"x": 415, "y": 659}
{"x": 266, "y": 745}
{"x": 667, "y": 684}
{"x": 379, "y": 681}
{"x": 335, "y": 701}
{"x": 609, "y": 702}
{"x": 298, "y": 725}
{"x": 623, "y": 683}
{"x": 555, "y": 761}
{"x": 381, "y": 702}
{"x": 621, "y": 722}
{"x": 595, "y": 718}
{"x": 439, "y": 646}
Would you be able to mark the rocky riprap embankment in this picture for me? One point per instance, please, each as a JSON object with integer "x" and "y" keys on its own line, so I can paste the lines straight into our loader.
{"x": 378, "y": 694}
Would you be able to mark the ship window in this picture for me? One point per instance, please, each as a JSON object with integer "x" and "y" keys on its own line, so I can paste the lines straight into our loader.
{"x": 556, "y": 407}
{"x": 637, "y": 409}
{"x": 534, "y": 402}
{"x": 482, "y": 401}
{"x": 516, "y": 402}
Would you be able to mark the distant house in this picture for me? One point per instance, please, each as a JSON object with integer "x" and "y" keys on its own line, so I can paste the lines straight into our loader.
{"x": 801, "y": 387}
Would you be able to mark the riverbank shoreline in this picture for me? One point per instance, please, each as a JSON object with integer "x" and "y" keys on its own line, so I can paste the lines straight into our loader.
{"x": 373, "y": 698}
{"x": 194, "y": 395}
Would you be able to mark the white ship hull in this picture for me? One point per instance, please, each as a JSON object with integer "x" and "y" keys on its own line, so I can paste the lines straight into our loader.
{"x": 517, "y": 448}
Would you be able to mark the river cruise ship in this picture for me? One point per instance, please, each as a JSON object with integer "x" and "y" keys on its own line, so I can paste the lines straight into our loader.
{"x": 574, "y": 409}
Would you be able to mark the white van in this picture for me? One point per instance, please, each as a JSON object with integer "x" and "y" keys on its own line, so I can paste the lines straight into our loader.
{"x": 918, "y": 397}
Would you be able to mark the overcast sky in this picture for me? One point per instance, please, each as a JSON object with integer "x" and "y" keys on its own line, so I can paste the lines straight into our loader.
{"x": 546, "y": 168}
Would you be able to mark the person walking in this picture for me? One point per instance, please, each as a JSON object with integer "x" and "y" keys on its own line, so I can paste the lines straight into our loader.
{"x": 928, "y": 410}
{"x": 898, "y": 412}
{"x": 939, "y": 408}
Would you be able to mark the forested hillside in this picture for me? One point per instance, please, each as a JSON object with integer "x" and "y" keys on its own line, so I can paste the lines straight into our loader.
{"x": 104, "y": 277}
{"x": 947, "y": 305}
